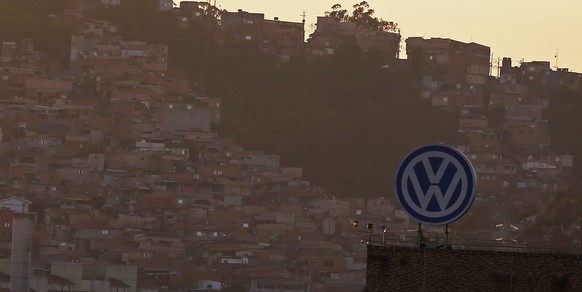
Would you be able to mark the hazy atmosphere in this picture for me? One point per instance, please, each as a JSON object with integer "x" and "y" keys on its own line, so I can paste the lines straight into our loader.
{"x": 290, "y": 146}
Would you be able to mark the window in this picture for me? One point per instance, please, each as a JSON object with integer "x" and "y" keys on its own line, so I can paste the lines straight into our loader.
{"x": 248, "y": 37}
{"x": 180, "y": 201}
{"x": 170, "y": 106}
{"x": 105, "y": 232}
{"x": 445, "y": 100}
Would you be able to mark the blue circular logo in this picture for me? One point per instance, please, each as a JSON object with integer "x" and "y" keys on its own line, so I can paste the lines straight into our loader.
{"x": 435, "y": 184}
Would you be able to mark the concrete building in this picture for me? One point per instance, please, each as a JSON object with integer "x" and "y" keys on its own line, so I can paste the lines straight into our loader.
{"x": 176, "y": 118}
{"x": 331, "y": 34}
{"x": 20, "y": 264}
{"x": 283, "y": 39}
{"x": 15, "y": 204}
{"x": 448, "y": 61}
{"x": 242, "y": 27}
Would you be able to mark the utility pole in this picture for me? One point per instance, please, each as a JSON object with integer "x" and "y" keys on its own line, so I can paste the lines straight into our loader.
{"x": 557, "y": 56}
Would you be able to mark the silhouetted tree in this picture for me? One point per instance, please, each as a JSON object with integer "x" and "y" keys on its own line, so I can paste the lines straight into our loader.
{"x": 363, "y": 17}
{"x": 211, "y": 12}
{"x": 565, "y": 124}
{"x": 349, "y": 56}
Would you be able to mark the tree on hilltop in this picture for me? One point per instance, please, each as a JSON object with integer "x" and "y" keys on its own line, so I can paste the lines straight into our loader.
{"x": 211, "y": 12}
{"x": 363, "y": 17}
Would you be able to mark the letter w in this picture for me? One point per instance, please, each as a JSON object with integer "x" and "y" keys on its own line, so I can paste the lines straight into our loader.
{"x": 434, "y": 188}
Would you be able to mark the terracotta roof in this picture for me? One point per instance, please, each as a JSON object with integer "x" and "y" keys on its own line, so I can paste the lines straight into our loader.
{"x": 15, "y": 197}
{"x": 91, "y": 225}
{"x": 117, "y": 283}
{"x": 54, "y": 279}
{"x": 109, "y": 244}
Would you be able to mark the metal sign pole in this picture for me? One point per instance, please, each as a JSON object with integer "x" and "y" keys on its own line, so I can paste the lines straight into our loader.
{"x": 446, "y": 236}
{"x": 419, "y": 236}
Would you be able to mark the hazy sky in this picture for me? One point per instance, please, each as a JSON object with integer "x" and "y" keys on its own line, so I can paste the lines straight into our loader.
{"x": 520, "y": 29}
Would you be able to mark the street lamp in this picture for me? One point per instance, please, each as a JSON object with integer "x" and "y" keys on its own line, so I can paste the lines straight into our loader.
{"x": 370, "y": 230}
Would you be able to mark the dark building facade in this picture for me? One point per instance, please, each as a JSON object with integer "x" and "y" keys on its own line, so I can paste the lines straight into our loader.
{"x": 392, "y": 268}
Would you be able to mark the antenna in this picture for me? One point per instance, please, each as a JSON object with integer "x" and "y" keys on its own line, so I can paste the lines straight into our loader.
{"x": 303, "y": 15}
{"x": 495, "y": 66}
{"x": 556, "y": 56}
{"x": 491, "y": 64}
{"x": 312, "y": 28}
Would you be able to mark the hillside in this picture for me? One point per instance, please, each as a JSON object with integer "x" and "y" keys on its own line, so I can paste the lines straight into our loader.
{"x": 348, "y": 122}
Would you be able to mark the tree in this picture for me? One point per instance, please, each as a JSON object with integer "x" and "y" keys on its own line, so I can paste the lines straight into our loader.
{"x": 211, "y": 12}
{"x": 338, "y": 13}
{"x": 349, "y": 55}
{"x": 363, "y": 17}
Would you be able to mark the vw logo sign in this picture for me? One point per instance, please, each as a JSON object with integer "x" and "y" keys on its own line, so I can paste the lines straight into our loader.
{"x": 435, "y": 184}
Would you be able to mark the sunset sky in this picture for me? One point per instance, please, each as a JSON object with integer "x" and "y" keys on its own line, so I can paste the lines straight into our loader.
{"x": 529, "y": 30}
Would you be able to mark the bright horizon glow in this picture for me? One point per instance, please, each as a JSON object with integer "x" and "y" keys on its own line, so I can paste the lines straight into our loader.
{"x": 534, "y": 30}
